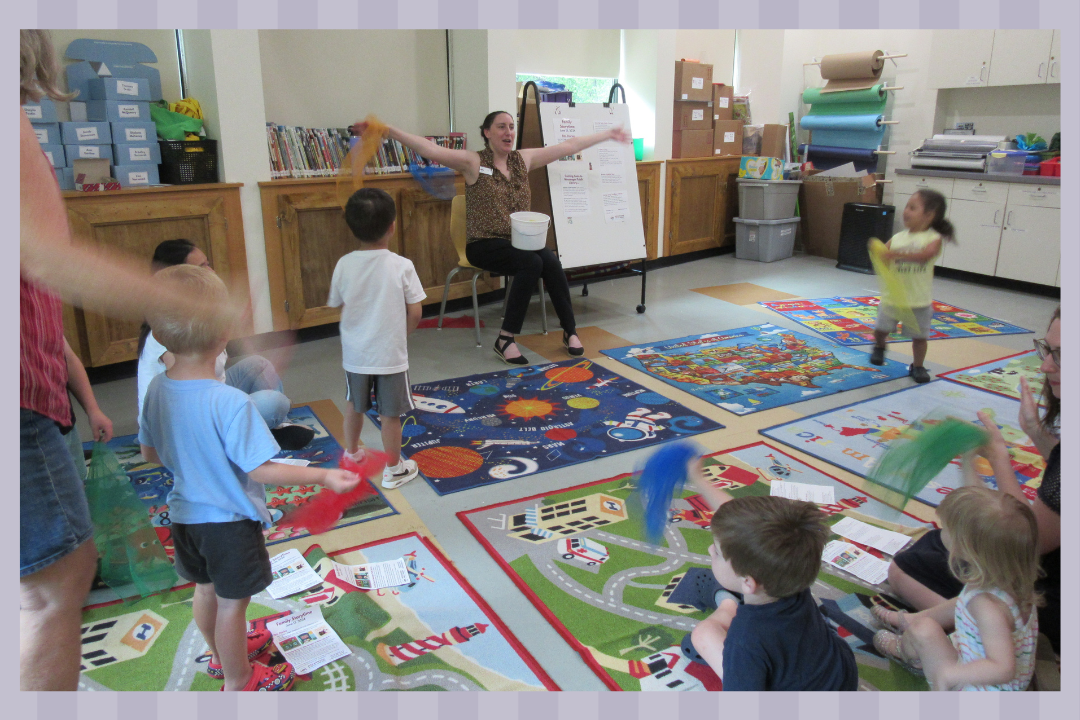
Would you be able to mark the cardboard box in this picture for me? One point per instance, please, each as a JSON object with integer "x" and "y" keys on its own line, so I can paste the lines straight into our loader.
{"x": 118, "y": 88}
{"x": 727, "y": 137}
{"x": 47, "y": 133}
{"x": 55, "y": 153}
{"x": 693, "y": 81}
{"x": 774, "y": 141}
{"x": 692, "y": 116}
{"x": 821, "y": 204}
{"x": 137, "y": 175}
{"x": 43, "y": 111}
{"x": 77, "y": 111}
{"x": 137, "y": 153}
{"x": 722, "y": 97}
{"x": 87, "y": 152}
{"x": 134, "y": 132}
{"x": 117, "y": 110}
{"x": 92, "y": 133}
{"x": 105, "y": 58}
{"x": 93, "y": 175}
{"x": 692, "y": 143}
{"x": 761, "y": 168}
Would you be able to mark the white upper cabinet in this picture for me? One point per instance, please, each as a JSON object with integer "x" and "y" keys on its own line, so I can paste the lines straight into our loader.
{"x": 1054, "y": 74}
{"x": 1021, "y": 57}
{"x": 960, "y": 58}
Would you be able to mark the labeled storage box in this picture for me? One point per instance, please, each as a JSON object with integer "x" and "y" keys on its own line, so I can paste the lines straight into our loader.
{"x": 48, "y": 133}
{"x": 114, "y": 110}
{"x": 722, "y": 97}
{"x": 116, "y": 88}
{"x": 136, "y": 153}
{"x": 134, "y": 132}
{"x": 767, "y": 199}
{"x": 136, "y": 175}
{"x": 65, "y": 178}
{"x": 56, "y": 155}
{"x": 765, "y": 240}
{"x": 43, "y": 111}
{"x": 691, "y": 143}
{"x": 184, "y": 162}
{"x": 727, "y": 137}
{"x": 87, "y": 152}
{"x": 761, "y": 168}
{"x": 692, "y": 116}
{"x": 693, "y": 81}
{"x": 93, "y": 133}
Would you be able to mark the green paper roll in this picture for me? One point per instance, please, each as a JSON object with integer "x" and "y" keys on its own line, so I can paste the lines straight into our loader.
{"x": 813, "y": 96}
{"x": 859, "y": 108}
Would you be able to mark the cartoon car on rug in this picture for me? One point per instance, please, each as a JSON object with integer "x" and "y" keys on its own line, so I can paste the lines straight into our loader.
{"x": 583, "y": 550}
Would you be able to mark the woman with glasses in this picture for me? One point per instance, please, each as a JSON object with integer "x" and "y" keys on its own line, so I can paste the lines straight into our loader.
{"x": 920, "y": 575}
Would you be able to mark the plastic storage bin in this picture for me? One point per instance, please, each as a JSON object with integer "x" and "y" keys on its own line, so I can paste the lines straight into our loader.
{"x": 765, "y": 240}
{"x": 767, "y": 199}
{"x": 1006, "y": 162}
{"x": 184, "y": 162}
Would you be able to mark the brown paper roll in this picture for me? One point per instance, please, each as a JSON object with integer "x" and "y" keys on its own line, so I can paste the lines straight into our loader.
{"x": 852, "y": 66}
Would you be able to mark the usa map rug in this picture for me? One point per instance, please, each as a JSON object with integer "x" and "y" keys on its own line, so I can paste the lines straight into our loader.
{"x": 624, "y": 604}
{"x": 434, "y": 633}
{"x": 1002, "y": 376}
{"x": 756, "y": 368}
{"x": 482, "y": 429}
{"x": 153, "y": 482}
{"x": 850, "y": 320}
{"x": 855, "y": 436}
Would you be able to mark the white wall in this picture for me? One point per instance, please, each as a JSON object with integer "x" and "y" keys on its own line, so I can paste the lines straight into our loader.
{"x": 713, "y": 47}
{"x": 469, "y": 68}
{"x": 582, "y": 53}
{"x": 1008, "y": 111}
{"x": 161, "y": 42}
{"x": 330, "y": 78}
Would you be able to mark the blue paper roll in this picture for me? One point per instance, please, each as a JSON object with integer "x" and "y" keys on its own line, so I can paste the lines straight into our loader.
{"x": 857, "y": 123}
{"x": 826, "y": 157}
{"x": 849, "y": 139}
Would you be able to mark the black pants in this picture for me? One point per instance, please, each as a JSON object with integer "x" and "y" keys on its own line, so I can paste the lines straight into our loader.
{"x": 497, "y": 255}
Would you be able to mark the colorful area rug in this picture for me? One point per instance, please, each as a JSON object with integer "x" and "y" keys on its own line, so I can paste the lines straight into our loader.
{"x": 755, "y": 368}
{"x": 581, "y": 557}
{"x": 483, "y": 429}
{"x": 850, "y": 320}
{"x": 1002, "y": 376}
{"x": 853, "y": 437}
{"x": 154, "y": 645}
{"x": 153, "y": 483}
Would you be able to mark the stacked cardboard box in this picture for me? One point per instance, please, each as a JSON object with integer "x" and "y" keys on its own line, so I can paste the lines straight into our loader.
{"x": 692, "y": 134}
{"x": 124, "y": 104}
{"x": 43, "y": 118}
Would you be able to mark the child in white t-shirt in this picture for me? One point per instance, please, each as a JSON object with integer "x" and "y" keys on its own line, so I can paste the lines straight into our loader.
{"x": 380, "y": 294}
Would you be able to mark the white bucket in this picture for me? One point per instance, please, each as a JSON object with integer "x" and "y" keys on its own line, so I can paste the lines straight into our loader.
{"x": 528, "y": 230}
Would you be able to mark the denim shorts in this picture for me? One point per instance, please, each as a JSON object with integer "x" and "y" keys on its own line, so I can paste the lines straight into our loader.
{"x": 54, "y": 518}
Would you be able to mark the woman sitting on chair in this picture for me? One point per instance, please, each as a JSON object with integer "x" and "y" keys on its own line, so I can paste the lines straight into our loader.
{"x": 496, "y": 185}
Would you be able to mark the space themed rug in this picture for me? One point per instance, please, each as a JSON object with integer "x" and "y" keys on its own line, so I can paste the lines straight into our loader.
{"x": 153, "y": 482}
{"x": 850, "y": 320}
{"x": 482, "y": 429}
{"x": 756, "y": 368}
{"x": 624, "y": 604}
{"x": 434, "y": 633}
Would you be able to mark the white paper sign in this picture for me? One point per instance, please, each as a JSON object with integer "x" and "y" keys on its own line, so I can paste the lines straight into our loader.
{"x": 851, "y": 559}
{"x": 612, "y": 178}
{"x": 33, "y": 112}
{"x": 575, "y": 195}
{"x": 89, "y": 151}
{"x": 697, "y": 114}
{"x": 139, "y": 178}
{"x": 42, "y": 136}
{"x": 126, "y": 87}
{"x": 886, "y": 541}
{"x": 616, "y": 207}
{"x": 567, "y": 129}
{"x": 306, "y": 640}
{"x": 697, "y": 83}
{"x": 134, "y": 134}
{"x": 729, "y": 137}
{"x": 609, "y": 156}
{"x": 600, "y": 126}
{"x": 86, "y": 133}
{"x": 128, "y": 111}
{"x": 372, "y": 576}
{"x": 820, "y": 494}
{"x": 291, "y": 574}
{"x": 48, "y": 154}
{"x": 722, "y": 102}
{"x": 139, "y": 154}
{"x": 684, "y": 96}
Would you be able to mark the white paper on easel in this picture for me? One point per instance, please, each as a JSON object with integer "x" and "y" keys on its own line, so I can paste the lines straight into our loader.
{"x": 616, "y": 206}
{"x": 612, "y": 178}
{"x": 886, "y": 541}
{"x": 820, "y": 494}
{"x": 608, "y": 155}
{"x": 567, "y": 129}
{"x": 575, "y": 195}
{"x": 851, "y": 559}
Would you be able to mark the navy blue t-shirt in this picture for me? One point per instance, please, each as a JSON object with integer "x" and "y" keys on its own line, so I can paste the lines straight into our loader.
{"x": 786, "y": 645}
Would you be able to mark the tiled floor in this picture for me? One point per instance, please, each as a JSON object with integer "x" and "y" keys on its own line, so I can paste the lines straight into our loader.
{"x": 673, "y": 311}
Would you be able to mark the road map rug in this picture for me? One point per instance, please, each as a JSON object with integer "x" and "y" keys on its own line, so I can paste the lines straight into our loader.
{"x": 756, "y": 368}
{"x": 448, "y": 636}
{"x": 850, "y": 320}
{"x": 483, "y": 429}
{"x": 1002, "y": 376}
{"x": 581, "y": 558}
{"x": 855, "y": 436}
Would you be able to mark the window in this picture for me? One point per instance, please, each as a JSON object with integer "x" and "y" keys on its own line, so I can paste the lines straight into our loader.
{"x": 585, "y": 89}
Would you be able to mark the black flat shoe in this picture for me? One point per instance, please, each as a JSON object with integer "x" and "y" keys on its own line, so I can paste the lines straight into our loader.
{"x": 506, "y": 341}
{"x": 575, "y": 352}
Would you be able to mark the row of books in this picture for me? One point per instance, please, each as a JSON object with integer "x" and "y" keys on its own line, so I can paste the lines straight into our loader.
{"x": 298, "y": 152}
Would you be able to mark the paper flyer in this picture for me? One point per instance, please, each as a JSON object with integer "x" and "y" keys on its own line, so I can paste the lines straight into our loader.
{"x": 616, "y": 207}
{"x": 612, "y": 178}
{"x": 609, "y": 155}
{"x": 820, "y": 494}
{"x": 372, "y": 576}
{"x": 306, "y": 640}
{"x": 575, "y": 195}
{"x": 300, "y": 462}
{"x": 886, "y": 541}
{"x": 567, "y": 129}
{"x": 291, "y": 574}
{"x": 851, "y": 559}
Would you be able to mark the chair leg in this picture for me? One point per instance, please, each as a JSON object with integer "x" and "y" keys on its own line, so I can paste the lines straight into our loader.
{"x": 543, "y": 307}
{"x": 476, "y": 309}
{"x": 446, "y": 292}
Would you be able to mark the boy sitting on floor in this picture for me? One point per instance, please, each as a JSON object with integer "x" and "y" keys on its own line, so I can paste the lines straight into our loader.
{"x": 215, "y": 443}
{"x": 768, "y": 550}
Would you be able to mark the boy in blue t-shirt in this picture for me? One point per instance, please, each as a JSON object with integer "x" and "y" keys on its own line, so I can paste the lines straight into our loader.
{"x": 215, "y": 443}
{"x": 768, "y": 549}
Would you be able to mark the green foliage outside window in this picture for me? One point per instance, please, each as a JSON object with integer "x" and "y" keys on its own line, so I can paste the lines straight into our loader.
{"x": 585, "y": 89}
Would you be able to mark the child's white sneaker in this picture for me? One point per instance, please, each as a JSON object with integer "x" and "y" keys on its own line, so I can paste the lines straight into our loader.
{"x": 356, "y": 457}
{"x": 395, "y": 477}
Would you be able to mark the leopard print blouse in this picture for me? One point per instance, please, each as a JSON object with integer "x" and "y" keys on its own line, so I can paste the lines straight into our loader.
{"x": 492, "y": 198}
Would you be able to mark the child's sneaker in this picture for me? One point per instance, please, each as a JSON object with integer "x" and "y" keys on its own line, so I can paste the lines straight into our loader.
{"x": 877, "y": 356}
{"x": 920, "y": 374}
{"x": 258, "y": 642}
{"x": 358, "y": 456}
{"x": 264, "y": 679}
{"x": 395, "y": 477}
{"x": 290, "y": 436}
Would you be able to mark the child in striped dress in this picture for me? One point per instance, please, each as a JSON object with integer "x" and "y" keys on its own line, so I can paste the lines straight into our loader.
{"x": 992, "y": 541}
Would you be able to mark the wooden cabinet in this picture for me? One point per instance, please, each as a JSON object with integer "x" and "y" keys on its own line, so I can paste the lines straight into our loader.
{"x": 700, "y": 195}
{"x": 1021, "y": 57}
{"x": 135, "y": 221}
{"x": 960, "y": 58}
{"x": 649, "y": 193}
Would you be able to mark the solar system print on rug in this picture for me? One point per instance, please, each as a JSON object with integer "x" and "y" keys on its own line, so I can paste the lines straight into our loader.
{"x": 153, "y": 482}
{"x": 855, "y": 436}
{"x": 624, "y": 604}
{"x": 433, "y": 633}
{"x": 850, "y": 320}
{"x": 755, "y": 368}
{"x": 482, "y": 429}
{"x": 1002, "y": 376}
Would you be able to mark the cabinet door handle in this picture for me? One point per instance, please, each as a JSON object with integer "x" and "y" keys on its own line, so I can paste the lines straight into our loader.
{"x": 1053, "y": 67}
{"x": 978, "y": 189}
{"x": 1041, "y": 69}
{"x": 995, "y": 216}
{"x": 981, "y": 69}
{"x": 1008, "y": 218}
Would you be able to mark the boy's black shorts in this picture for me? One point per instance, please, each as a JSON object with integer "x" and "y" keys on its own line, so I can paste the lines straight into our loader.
{"x": 230, "y": 555}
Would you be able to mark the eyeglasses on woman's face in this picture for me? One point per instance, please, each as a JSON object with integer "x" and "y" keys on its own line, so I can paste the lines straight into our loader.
{"x": 1044, "y": 349}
